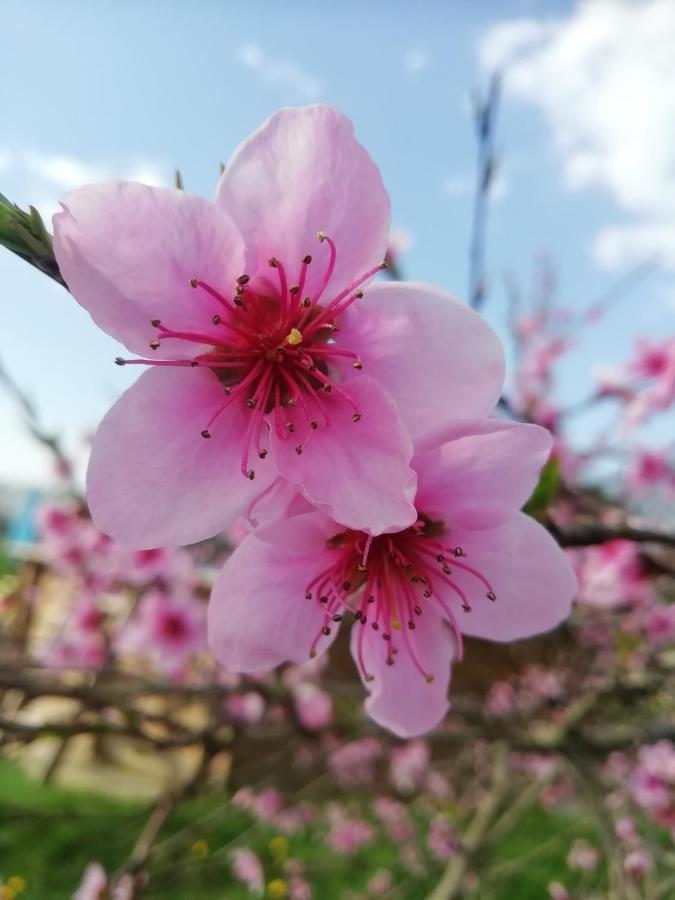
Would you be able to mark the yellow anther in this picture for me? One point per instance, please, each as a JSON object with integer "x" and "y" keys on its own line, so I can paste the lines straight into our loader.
{"x": 294, "y": 337}
{"x": 396, "y": 625}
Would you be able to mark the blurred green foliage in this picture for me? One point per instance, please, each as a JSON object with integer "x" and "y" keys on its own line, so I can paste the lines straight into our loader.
{"x": 48, "y": 835}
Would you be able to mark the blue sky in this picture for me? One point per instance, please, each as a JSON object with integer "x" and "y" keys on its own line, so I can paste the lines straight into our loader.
{"x": 93, "y": 91}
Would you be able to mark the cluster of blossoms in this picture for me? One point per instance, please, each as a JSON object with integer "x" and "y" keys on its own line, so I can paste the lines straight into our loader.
{"x": 131, "y": 603}
{"x": 349, "y": 422}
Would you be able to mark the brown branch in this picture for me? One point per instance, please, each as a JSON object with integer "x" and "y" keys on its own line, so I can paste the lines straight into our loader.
{"x": 589, "y": 534}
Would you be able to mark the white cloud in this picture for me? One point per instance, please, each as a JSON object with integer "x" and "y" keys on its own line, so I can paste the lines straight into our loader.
{"x": 41, "y": 178}
{"x": 605, "y": 79}
{"x": 417, "y": 59}
{"x": 283, "y": 73}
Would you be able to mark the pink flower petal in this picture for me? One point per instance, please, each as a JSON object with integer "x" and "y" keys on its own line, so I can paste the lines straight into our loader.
{"x": 531, "y": 576}
{"x": 436, "y": 357}
{"x": 400, "y": 697}
{"x": 259, "y": 615}
{"x": 129, "y": 251}
{"x": 153, "y": 480}
{"x": 300, "y": 173}
{"x": 356, "y": 472}
{"x": 477, "y": 471}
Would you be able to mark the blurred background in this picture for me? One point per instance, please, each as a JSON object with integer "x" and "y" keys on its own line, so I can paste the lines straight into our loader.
{"x": 529, "y": 151}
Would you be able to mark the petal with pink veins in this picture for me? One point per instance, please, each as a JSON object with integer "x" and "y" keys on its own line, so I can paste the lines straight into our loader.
{"x": 128, "y": 253}
{"x": 401, "y": 699}
{"x": 531, "y": 576}
{"x": 356, "y": 472}
{"x": 479, "y": 471}
{"x": 435, "y": 356}
{"x": 153, "y": 480}
{"x": 259, "y": 616}
{"x": 302, "y": 172}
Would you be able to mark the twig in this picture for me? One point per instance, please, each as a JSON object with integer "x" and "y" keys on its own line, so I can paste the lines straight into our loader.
{"x": 451, "y": 880}
{"x": 485, "y": 121}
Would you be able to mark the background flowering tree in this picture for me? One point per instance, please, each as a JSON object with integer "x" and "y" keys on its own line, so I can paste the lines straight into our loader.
{"x": 555, "y": 770}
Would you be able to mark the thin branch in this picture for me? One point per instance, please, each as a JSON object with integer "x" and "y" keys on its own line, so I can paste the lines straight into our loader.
{"x": 485, "y": 121}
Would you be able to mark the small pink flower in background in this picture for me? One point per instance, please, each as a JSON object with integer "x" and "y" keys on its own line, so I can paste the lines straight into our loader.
{"x": 299, "y": 889}
{"x": 169, "y": 629}
{"x": 394, "y": 816}
{"x": 267, "y": 804}
{"x": 248, "y": 707}
{"x": 381, "y": 883}
{"x": 442, "y": 840}
{"x": 347, "y": 834}
{"x": 652, "y": 782}
{"x": 582, "y": 856}
{"x": 313, "y": 706}
{"x": 80, "y": 642}
{"x": 471, "y": 563}
{"x": 611, "y": 575}
{"x": 660, "y": 624}
{"x": 558, "y": 891}
{"x": 626, "y": 831}
{"x": 94, "y": 884}
{"x": 638, "y": 863}
{"x": 438, "y": 787}
{"x": 653, "y": 360}
{"x": 501, "y": 699}
{"x": 409, "y": 765}
{"x": 247, "y": 869}
{"x": 650, "y": 469}
{"x": 654, "y": 363}
{"x": 354, "y": 763}
{"x": 255, "y": 335}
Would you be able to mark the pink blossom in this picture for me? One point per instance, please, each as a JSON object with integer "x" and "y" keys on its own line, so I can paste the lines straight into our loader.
{"x": 500, "y": 700}
{"x": 267, "y": 804}
{"x": 471, "y": 563}
{"x": 660, "y": 624}
{"x": 80, "y": 642}
{"x": 649, "y": 469}
{"x": 442, "y": 840}
{"x": 255, "y": 335}
{"x": 408, "y": 766}
{"x": 582, "y": 856}
{"x": 94, "y": 884}
{"x": 558, "y": 891}
{"x": 381, "y": 883}
{"x": 655, "y": 363}
{"x": 313, "y": 706}
{"x": 638, "y": 863}
{"x": 354, "y": 763}
{"x": 349, "y": 834}
{"x": 394, "y": 816}
{"x": 625, "y": 830}
{"x": 247, "y": 869}
{"x": 299, "y": 889}
{"x": 169, "y": 629}
{"x": 248, "y": 707}
{"x": 611, "y": 575}
{"x": 652, "y": 783}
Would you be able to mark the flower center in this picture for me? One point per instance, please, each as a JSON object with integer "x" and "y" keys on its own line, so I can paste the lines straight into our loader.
{"x": 277, "y": 350}
{"x": 172, "y": 627}
{"x": 388, "y": 582}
